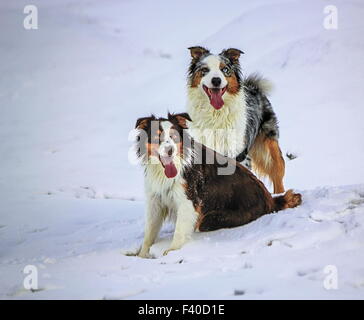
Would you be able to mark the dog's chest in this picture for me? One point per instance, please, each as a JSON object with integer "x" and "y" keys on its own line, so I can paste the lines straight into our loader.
{"x": 169, "y": 191}
{"x": 221, "y": 130}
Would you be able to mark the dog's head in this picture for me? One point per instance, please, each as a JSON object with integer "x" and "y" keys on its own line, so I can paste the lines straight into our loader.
{"x": 161, "y": 142}
{"x": 215, "y": 75}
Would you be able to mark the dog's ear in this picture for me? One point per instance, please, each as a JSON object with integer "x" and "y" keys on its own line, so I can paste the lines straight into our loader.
{"x": 198, "y": 52}
{"x": 180, "y": 119}
{"x": 143, "y": 123}
{"x": 232, "y": 54}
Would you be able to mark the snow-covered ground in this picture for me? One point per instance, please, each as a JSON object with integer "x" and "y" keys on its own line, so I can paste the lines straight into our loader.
{"x": 70, "y": 200}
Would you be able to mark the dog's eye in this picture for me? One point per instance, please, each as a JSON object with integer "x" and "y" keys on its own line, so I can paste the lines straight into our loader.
{"x": 205, "y": 70}
{"x": 225, "y": 70}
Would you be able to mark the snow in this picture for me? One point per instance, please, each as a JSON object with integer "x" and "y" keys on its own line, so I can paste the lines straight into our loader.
{"x": 72, "y": 202}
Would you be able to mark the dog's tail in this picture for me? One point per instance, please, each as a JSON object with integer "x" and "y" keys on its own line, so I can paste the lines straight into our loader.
{"x": 256, "y": 82}
{"x": 288, "y": 200}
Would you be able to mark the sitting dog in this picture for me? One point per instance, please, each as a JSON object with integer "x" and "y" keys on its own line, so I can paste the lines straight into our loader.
{"x": 194, "y": 185}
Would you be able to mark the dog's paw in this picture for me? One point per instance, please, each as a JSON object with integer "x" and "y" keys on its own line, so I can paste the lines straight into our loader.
{"x": 146, "y": 256}
{"x": 171, "y": 249}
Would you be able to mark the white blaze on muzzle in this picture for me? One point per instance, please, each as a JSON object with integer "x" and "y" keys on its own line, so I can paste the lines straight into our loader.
{"x": 167, "y": 151}
{"x": 214, "y": 82}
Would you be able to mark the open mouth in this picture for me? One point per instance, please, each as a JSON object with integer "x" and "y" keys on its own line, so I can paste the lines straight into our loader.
{"x": 215, "y": 96}
{"x": 170, "y": 169}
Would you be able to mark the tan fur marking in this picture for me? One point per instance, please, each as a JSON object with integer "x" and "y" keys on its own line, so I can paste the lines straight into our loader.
{"x": 143, "y": 124}
{"x": 292, "y": 199}
{"x": 233, "y": 83}
{"x": 196, "y": 79}
{"x": 267, "y": 160}
{"x": 152, "y": 149}
{"x": 198, "y": 210}
{"x": 180, "y": 149}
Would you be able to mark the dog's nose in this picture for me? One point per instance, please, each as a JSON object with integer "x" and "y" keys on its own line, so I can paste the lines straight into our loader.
{"x": 216, "y": 81}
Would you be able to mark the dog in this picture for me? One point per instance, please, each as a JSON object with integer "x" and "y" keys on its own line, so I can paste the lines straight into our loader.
{"x": 186, "y": 181}
{"x": 232, "y": 114}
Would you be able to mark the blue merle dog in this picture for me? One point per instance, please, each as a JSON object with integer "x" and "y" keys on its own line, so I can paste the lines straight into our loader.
{"x": 232, "y": 114}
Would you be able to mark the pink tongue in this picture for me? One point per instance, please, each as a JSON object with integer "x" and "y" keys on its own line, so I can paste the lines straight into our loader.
{"x": 170, "y": 170}
{"x": 216, "y": 99}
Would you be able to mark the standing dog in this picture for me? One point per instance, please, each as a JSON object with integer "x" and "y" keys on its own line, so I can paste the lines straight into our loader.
{"x": 186, "y": 181}
{"x": 232, "y": 115}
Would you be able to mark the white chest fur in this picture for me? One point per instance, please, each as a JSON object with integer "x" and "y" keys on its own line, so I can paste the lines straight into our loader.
{"x": 170, "y": 191}
{"x": 222, "y": 130}
{"x": 166, "y": 198}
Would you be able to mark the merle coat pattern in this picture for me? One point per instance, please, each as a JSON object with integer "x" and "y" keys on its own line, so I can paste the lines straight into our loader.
{"x": 245, "y": 95}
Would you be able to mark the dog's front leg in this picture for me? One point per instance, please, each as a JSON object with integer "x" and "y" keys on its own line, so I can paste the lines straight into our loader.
{"x": 153, "y": 223}
{"x": 185, "y": 224}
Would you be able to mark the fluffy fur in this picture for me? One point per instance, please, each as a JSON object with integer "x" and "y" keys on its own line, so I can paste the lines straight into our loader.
{"x": 197, "y": 195}
{"x": 235, "y": 114}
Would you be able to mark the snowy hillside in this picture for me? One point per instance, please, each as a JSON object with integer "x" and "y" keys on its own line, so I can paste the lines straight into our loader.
{"x": 71, "y": 201}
